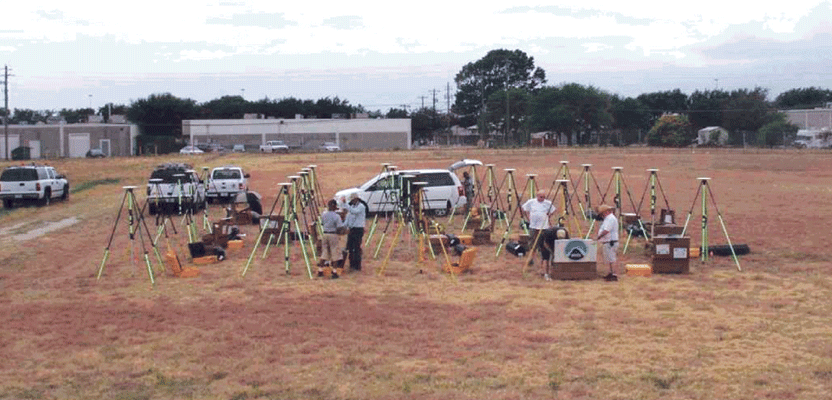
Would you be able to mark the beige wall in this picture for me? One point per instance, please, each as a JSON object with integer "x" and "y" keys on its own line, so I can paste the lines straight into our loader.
{"x": 308, "y": 134}
{"x": 120, "y": 136}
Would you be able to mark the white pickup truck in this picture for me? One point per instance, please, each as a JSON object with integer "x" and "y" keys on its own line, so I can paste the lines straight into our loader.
{"x": 225, "y": 182}
{"x": 40, "y": 183}
{"x": 274, "y": 146}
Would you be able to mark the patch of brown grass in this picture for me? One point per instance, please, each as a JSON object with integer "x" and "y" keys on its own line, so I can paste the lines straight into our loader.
{"x": 415, "y": 332}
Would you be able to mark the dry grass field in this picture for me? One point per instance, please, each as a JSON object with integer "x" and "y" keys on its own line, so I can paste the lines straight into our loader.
{"x": 493, "y": 333}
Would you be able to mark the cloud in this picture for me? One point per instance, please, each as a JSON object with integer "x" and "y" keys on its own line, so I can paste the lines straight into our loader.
{"x": 344, "y": 22}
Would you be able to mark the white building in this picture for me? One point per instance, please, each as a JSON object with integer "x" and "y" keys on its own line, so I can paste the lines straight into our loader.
{"x": 304, "y": 134}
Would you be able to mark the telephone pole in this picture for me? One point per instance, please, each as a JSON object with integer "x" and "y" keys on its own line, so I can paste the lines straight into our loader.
{"x": 6, "y": 111}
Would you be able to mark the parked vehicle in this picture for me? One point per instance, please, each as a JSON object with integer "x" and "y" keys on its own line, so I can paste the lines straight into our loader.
{"x": 190, "y": 150}
{"x": 443, "y": 190}
{"x": 274, "y": 146}
{"x": 174, "y": 188}
{"x": 39, "y": 183}
{"x": 95, "y": 153}
{"x": 225, "y": 182}
{"x": 239, "y": 148}
{"x": 330, "y": 146}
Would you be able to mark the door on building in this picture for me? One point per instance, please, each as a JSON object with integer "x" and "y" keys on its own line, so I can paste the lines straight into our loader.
{"x": 14, "y": 142}
{"x": 79, "y": 145}
{"x": 104, "y": 145}
{"x": 34, "y": 149}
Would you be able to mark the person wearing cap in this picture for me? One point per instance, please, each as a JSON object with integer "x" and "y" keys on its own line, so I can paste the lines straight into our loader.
{"x": 608, "y": 238}
{"x": 330, "y": 251}
{"x": 356, "y": 214}
{"x": 537, "y": 211}
{"x": 468, "y": 186}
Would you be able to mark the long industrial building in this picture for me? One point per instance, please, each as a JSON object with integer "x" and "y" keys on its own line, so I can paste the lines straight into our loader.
{"x": 303, "y": 134}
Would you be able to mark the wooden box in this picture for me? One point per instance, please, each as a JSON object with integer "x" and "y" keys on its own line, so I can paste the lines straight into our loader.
{"x": 671, "y": 255}
{"x": 482, "y": 237}
{"x": 438, "y": 240}
{"x": 574, "y": 259}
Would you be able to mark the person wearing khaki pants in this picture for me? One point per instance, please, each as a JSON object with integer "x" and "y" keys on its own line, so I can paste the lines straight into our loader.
{"x": 608, "y": 239}
{"x": 330, "y": 249}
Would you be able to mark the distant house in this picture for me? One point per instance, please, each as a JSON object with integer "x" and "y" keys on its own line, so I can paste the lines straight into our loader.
{"x": 712, "y": 136}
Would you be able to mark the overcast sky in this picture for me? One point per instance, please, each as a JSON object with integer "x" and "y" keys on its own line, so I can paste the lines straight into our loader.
{"x": 386, "y": 54}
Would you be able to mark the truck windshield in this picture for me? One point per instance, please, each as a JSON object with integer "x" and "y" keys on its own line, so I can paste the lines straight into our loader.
{"x": 227, "y": 174}
{"x": 19, "y": 174}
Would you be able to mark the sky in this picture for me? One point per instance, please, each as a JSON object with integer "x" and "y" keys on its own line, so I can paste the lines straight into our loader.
{"x": 392, "y": 54}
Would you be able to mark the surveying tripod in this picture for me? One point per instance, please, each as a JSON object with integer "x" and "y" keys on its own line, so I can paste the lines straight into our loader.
{"x": 704, "y": 191}
{"x": 135, "y": 223}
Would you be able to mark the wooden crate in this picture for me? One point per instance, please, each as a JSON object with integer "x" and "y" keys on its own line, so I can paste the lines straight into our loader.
{"x": 671, "y": 255}
{"x": 569, "y": 268}
{"x": 482, "y": 237}
{"x": 574, "y": 271}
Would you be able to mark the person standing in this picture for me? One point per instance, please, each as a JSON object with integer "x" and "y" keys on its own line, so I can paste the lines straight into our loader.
{"x": 356, "y": 215}
{"x": 468, "y": 185}
{"x": 330, "y": 251}
{"x": 537, "y": 211}
{"x": 608, "y": 239}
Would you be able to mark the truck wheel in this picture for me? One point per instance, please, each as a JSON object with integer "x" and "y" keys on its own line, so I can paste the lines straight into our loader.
{"x": 65, "y": 194}
{"x": 47, "y": 197}
{"x": 8, "y": 203}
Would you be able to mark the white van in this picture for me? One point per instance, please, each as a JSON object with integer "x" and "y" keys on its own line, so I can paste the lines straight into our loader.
{"x": 443, "y": 191}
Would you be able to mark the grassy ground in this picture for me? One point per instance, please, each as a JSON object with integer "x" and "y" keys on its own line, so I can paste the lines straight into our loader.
{"x": 496, "y": 332}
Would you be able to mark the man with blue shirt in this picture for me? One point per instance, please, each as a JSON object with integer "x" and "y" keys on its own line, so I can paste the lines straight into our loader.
{"x": 356, "y": 214}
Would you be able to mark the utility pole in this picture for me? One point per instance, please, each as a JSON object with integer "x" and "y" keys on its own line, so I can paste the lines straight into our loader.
{"x": 6, "y": 110}
{"x": 423, "y": 100}
{"x": 433, "y": 92}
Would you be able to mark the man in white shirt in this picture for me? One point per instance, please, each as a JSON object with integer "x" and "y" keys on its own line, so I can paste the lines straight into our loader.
{"x": 537, "y": 212}
{"x": 608, "y": 238}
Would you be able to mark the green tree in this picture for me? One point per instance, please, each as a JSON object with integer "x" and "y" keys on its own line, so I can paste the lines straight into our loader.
{"x": 705, "y": 108}
{"x": 572, "y": 109}
{"x": 512, "y": 125}
{"x": 746, "y": 111}
{"x": 28, "y": 116}
{"x": 671, "y": 130}
{"x": 397, "y": 113}
{"x": 778, "y": 132}
{"x": 630, "y": 117}
{"x": 76, "y": 116}
{"x": 660, "y": 103}
{"x": 226, "y": 107}
{"x": 116, "y": 109}
{"x": 496, "y": 71}
{"x": 549, "y": 113}
{"x": 162, "y": 114}
{"x": 810, "y": 97}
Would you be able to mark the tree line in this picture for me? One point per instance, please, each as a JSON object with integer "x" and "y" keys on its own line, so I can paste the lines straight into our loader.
{"x": 506, "y": 97}
{"x": 162, "y": 114}
{"x": 505, "y": 94}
